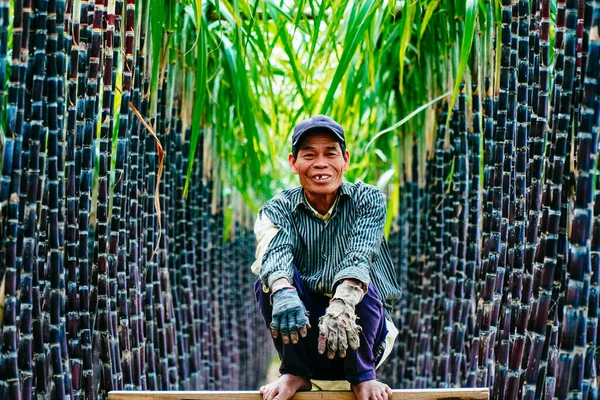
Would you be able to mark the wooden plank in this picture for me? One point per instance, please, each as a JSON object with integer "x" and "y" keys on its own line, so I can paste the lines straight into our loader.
{"x": 404, "y": 394}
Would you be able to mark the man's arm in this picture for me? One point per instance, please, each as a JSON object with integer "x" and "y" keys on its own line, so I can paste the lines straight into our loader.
{"x": 365, "y": 239}
{"x": 338, "y": 329}
{"x": 274, "y": 233}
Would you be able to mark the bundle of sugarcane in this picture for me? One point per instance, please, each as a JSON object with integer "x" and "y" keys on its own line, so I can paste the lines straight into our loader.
{"x": 528, "y": 322}
{"x": 112, "y": 278}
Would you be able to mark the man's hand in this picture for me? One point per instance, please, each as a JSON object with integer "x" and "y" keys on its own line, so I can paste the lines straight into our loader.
{"x": 338, "y": 328}
{"x": 289, "y": 315}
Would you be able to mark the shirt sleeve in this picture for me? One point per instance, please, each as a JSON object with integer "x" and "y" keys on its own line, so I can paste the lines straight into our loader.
{"x": 277, "y": 258}
{"x": 264, "y": 230}
{"x": 365, "y": 237}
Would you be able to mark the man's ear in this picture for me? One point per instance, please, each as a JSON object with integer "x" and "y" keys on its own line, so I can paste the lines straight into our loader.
{"x": 346, "y": 160}
{"x": 292, "y": 161}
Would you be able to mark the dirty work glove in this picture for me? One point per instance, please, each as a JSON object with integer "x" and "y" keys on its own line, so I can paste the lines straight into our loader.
{"x": 289, "y": 315}
{"x": 338, "y": 328}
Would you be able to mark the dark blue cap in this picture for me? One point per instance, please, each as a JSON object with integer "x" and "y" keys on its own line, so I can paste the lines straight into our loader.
{"x": 318, "y": 122}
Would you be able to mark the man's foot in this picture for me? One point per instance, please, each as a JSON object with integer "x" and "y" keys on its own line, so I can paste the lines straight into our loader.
{"x": 285, "y": 387}
{"x": 372, "y": 390}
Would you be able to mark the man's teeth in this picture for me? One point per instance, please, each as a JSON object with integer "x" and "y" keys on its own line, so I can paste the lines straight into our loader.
{"x": 319, "y": 177}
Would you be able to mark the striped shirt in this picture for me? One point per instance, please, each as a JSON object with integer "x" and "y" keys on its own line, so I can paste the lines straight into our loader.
{"x": 348, "y": 245}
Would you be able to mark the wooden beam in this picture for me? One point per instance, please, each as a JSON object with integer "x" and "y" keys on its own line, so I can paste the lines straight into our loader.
{"x": 403, "y": 394}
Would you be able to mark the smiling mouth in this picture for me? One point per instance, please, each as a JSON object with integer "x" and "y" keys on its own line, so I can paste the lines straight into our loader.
{"x": 322, "y": 177}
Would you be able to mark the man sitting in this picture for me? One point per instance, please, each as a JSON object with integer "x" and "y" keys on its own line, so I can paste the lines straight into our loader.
{"x": 323, "y": 260}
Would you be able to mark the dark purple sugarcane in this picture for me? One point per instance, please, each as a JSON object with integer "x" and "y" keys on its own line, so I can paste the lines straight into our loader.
{"x": 153, "y": 312}
{"x": 31, "y": 177}
{"x": 216, "y": 370}
{"x": 438, "y": 238}
{"x": 25, "y": 107}
{"x": 43, "y": 27}
{"x": 118, "y": 233}
{"x": 447, "y": 302}
{"x": 60, "y": 367}
{"x": 153, "y": 246}
{"x": 508, "y": 200}
{"x": 519, "y": 311}
{"x": 492, "y": 269}
{"x": 4, "y": 22}
{"x": 536, "y": 337}
{"x": 195, "y": 207}
{"x": 505, "y": 262}
{"x": 190, "y": 286}
{"x": 218, "y": 291}
{"x": 183, "y": 297}
{"x": 461, "y": 209}
{"x": 536, "y": 367}
{"x": 488, "y": 175}
{"x": 452, "y": 209}
{"x": 7, "y": 151}
{"x": 567, "y": 180}
{"x": 83, "y": 37}
{"x": 400, "y": 315}
{"x": 579, "y": 75}
{"x": 10, "y": 386}
{"x": 204, "y": 276}
{"x": 533, "y": 74}
{"x": 71, "y": 232}
{"x": 63, "y": 46}
{"x": 100, "y": 291}
{"x": 163, "y": 122}
{"x": 475, "y": 256}
{"x": 473, "y": 251}
{"x": 151, "y": 352}
{"x": 424, "y": 353}
{"x": 563, "y": 92}
{"x": 544, "y": 278}
{"x": 589, "y": 140}
{"x": 55, "y": 168}
{"x": 573, "y": 336}
{"x": 229, "y": 260}
{"x": 413, "y": 319}
{"x": 12, "y": 152}
{"x": 590, "y": 87}
{"x": 84, "y": 172}
{"x": 108, "y": 24}
{"x": 134, "y": 282}
{"x": 173, "y": 258}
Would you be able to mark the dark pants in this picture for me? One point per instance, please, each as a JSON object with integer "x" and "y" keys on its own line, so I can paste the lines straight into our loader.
{"x": 303, "y": 359}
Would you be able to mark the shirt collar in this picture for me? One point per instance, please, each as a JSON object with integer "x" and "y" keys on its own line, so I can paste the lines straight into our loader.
{"x": 323, "y": 217}
{"x": 299, "y": 198}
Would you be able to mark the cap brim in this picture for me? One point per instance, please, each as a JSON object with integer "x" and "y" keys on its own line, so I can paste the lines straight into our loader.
{"x": 321, "y": 128}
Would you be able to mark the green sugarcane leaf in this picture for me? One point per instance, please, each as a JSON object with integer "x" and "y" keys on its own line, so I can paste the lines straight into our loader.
{"x": 227, "y": 221}
{"x": 465, "y": 50}
{"x": 284, "y": 36}
{"x": 358, "y": 22}
{"x": 315, "y": 33}
{"x": 405, "y": 119}
{"x": 431, "y": 7}
{"x": 385, "y": 178}
{"x": 157, "y": 14}
{"x": 408, "y": 16}
{"x": 200, "y": 91}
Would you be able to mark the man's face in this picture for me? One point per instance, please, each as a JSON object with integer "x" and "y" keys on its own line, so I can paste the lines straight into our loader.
{"x": 320, "y": 164}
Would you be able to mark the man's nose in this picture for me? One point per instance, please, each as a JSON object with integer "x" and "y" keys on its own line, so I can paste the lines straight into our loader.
{"x": 321, "y": 162}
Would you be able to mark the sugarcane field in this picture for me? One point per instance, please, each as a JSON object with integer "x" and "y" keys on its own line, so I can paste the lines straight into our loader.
{"x": 254, "y": 196}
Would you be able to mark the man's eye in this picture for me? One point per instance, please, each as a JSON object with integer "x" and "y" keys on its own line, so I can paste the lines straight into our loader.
{"x": 331, "y": 154}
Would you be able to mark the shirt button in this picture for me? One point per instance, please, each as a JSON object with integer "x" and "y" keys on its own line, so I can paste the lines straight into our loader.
{"x": 324, "y": 255}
